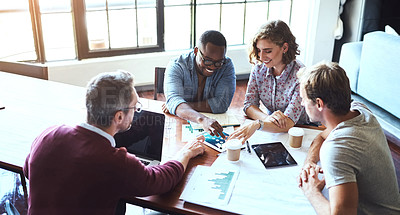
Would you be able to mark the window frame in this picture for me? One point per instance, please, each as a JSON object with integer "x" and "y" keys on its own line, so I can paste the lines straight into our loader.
{"x": 81, "y": 35}
{"x": 82, "y": 50}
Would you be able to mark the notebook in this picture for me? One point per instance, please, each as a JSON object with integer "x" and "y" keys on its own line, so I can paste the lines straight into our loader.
{"x": 145, "y": 137}
{"x": 273, "y": 154}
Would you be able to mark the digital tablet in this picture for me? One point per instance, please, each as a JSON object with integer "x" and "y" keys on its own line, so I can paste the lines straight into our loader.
{"x": 214, "y": 142}
{"x": 273, "y": 154}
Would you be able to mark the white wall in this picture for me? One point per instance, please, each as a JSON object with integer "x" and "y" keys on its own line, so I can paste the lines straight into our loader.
{"x": 323, "y": 18}
{"x": 313, "y": 24}
{"x": 141, "y": 65}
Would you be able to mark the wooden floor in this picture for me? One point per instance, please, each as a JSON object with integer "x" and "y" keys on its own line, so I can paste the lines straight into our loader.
{"x": 237, "y": 104}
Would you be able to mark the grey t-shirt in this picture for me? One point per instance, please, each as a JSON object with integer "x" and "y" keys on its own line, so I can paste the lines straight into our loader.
{"x": 357, "y": 151}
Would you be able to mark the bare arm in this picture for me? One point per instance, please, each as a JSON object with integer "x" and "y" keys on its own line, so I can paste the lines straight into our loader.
{"x": 185, "y": 111}
{"x": 255, "y": 113}
{"x": 277, "y": 122}
{"x": 245, "y": 132}
{"x": 190, "y": 150}
{"x": 312, "y": 156}
{"x": 201, "y": 106}
{"x": 313, "y": 152}
{"x": 343, "y": 197}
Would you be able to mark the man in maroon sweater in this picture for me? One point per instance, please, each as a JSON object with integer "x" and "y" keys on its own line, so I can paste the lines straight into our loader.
{"x": 78, "y": 170}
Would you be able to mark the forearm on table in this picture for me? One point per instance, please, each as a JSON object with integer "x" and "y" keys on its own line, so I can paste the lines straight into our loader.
{"x": 201, "y": 106}
{"x": 319, "y": 202}
{"x": 271, "y": 127}
{"x": 185, "y": 111}
{"x": 313, "y": 151}
{"x": 254, "y": 112}
{"x": 184, "y": 159}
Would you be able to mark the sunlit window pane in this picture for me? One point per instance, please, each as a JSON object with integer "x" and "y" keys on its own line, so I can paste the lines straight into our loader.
{"x": 279, "y": 10}
{"x": 175, "y": 2}
{"x": 13, "y": 5}
{"x": 112, "y": 4}
{"x": 97, "y": 29}
{"x": 146, "y": 3}
{"x": 16, "y": 42}
{"x": 232, "y": 23}
{"x": 95, "y": 4}
{"x": 228, "y": 1}
{"x": 123, "y": 33}
{"x": 147, "y": 25}
{"x": 55, "y": 6}
{"x": 177, "y": 29}
{"x": 256, "y": 15}
{"x": 207, "y": 18}
{"x": 207, "y": 1}
{"x": 58, "y": 42}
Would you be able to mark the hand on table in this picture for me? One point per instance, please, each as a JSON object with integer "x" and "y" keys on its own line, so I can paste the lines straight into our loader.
{"x": 245, "y": 132}
{"x": 278, "y": 118}
{"x": 308, "y": 179}
{"x": 195, "y": 147}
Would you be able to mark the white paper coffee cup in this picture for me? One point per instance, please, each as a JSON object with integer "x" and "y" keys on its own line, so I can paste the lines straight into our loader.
{"x": 296, "y": 137}
{"x": 233, "y": 148}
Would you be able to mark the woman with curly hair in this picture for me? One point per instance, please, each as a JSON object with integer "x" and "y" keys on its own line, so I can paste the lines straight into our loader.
{"x": 273, "y": 81}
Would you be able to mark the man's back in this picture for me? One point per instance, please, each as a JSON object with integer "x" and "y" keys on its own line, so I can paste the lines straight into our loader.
{"x": 357, "y": 151}
{"x": 73, "y": 170}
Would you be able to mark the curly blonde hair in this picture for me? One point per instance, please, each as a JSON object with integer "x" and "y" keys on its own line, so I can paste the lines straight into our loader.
{"x": 278, "y": 32}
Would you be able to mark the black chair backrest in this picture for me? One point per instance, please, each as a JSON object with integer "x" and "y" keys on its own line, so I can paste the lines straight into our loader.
{"x": 158, "y": 81}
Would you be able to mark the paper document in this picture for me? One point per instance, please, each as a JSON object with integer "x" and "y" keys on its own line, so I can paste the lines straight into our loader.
{"x": 264, "y": 191}
{"x": 210, "y": 186}
{"x": 224, "y": 119}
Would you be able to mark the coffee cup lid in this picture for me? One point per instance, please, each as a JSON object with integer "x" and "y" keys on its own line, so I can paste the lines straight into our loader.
{"x": 233, "y": 144}
{"x": 295, "y": 131}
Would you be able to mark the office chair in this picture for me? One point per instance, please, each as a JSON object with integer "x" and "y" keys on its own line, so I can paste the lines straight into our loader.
{"x": 158, "y": 81}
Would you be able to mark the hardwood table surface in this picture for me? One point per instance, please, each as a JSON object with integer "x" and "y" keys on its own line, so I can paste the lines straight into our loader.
{"x": 31, "y": 105}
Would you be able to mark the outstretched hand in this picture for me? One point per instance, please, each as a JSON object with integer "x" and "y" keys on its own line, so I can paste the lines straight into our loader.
{"x": 212, "y": 127}
{"x": 245, "y": 132}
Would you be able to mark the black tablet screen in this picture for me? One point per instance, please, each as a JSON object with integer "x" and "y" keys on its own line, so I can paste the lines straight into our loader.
{"x": 273, "y": 154}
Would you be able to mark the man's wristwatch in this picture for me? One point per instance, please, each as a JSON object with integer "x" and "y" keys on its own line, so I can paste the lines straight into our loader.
{"x": 261, "y": 123}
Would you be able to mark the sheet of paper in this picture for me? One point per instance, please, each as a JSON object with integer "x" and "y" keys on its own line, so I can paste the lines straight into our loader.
{"x": 224, "y": 119}
{"x": 268, "y": 191}
{"x": 210, "y": 186}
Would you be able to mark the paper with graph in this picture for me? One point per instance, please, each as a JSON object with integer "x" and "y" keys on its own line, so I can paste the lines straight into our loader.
{"x": 210, "y": 186}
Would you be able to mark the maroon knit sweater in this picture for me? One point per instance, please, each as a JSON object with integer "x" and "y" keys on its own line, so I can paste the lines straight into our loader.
{"x": 72, "y": 170}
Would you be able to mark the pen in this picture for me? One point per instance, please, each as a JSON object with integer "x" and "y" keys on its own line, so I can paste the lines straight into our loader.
{"x": 248, "y": 146}
{"x": 1, "y": 108}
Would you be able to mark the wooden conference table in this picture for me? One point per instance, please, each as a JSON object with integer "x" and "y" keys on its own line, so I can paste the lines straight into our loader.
{"x": 32, "y": 105}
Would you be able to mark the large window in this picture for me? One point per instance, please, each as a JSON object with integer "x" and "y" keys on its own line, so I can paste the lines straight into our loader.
{"x": 53, "y": 30}
{"x": 16, "y": 37}
{"x": 238, "y": 20}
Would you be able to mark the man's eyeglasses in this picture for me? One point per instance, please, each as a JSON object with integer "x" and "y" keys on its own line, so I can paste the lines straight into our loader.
{"x": 211, "y": 62}
{"x": 137, "y": 108}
